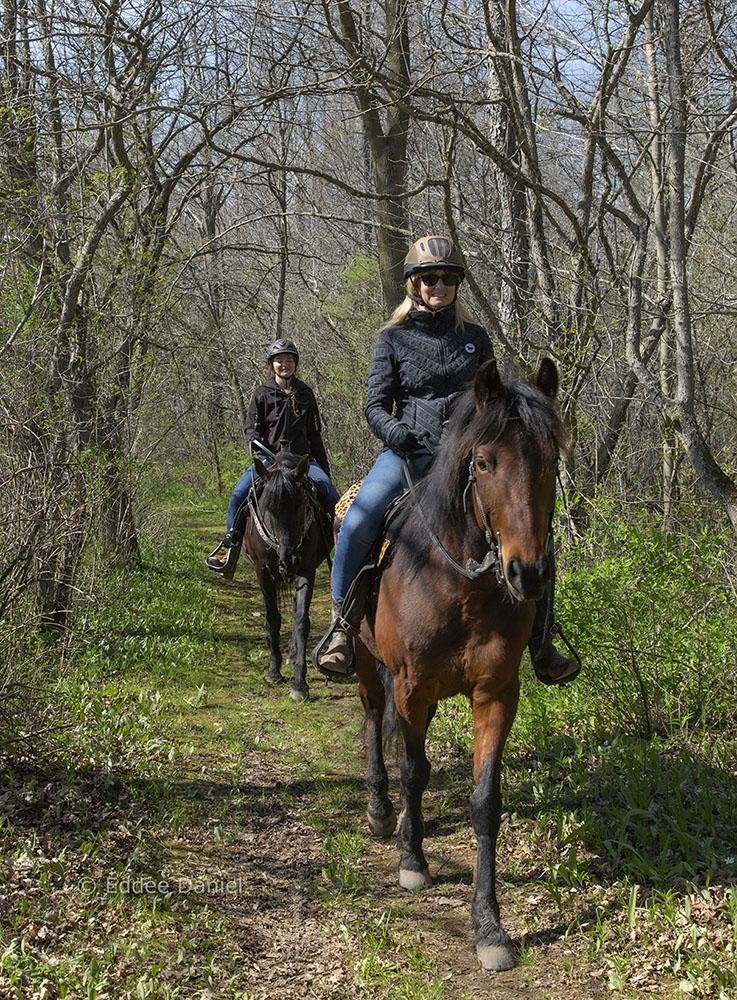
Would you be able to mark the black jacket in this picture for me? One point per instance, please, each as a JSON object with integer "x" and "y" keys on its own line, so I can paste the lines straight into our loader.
{"x": 418, "y": 369}
{"x": 282, "y": 421}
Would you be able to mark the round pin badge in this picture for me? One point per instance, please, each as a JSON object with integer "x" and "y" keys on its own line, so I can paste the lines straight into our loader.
{"x": 470, "y": 348}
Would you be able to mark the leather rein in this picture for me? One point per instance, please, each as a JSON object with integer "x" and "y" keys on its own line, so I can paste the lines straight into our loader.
{"x": 492, "y": 561}
{"x": 271, "y": 540}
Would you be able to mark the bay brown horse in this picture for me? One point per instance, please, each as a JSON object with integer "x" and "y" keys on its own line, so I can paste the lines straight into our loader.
{"x": 287, "y": 535}
{"x": 454, "y": 612}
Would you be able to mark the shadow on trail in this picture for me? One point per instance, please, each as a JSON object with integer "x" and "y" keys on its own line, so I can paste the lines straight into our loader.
{"x": 58, "y": 800}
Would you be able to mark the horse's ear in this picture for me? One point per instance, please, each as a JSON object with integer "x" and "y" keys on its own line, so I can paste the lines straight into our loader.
{"x": 302, "y": 466}
{"x": 546, "y": 379}
{"x": 487, "y": 383}
{"x": 261, "y": 470}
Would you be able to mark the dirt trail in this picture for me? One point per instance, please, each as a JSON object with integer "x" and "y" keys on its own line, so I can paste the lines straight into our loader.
{"x": 295, "y": 764}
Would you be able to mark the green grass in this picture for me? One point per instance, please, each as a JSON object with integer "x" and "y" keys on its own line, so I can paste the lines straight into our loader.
{"x": 121, "y": 826}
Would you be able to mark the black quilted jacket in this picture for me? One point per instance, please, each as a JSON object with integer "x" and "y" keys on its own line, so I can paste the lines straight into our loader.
{"x": 417, "y": 370}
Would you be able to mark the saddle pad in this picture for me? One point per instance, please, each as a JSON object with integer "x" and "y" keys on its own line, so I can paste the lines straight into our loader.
{"x": 341, "y": 507}
{"x": 367, "y": 577}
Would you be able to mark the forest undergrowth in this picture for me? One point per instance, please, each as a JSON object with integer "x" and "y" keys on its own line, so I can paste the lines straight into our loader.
{"x": 172, "y": 827}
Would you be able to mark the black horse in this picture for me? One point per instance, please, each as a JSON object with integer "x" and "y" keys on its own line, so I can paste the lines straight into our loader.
{"x": 287, "y": 535}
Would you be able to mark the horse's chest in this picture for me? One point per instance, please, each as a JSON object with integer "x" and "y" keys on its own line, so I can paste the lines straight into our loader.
{"x": 459, "y": 643}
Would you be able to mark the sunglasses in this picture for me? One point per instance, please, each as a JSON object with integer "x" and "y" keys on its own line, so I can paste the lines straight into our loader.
{"x": 449, "y": 280}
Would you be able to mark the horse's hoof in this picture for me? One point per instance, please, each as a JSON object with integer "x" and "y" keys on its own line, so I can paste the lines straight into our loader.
{"x": 495, "y": 957}
{"x": 382, "y": 826}
{"x": 273, "y": 679}
{"x": 414, "y": 881}
{"x": 299, "y": 694}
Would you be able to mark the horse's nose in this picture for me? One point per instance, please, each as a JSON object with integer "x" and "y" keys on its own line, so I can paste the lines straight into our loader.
{"x": 527, "y": 581}
{"x": 288, "y": 561}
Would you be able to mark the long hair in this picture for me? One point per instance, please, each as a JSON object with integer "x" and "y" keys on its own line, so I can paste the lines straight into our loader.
{"x": 405, "y": 307}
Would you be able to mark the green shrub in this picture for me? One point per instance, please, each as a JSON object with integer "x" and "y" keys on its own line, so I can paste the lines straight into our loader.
{"x": 652, "y": 614}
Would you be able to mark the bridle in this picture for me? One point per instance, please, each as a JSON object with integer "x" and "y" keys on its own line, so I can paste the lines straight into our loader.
{"x": 492, "y": 560}
{"x": 263, "y": 529}
{"x": 252, "y": 500}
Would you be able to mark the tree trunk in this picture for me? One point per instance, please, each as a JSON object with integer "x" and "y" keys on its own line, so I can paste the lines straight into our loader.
{"x": 387, "y": 138}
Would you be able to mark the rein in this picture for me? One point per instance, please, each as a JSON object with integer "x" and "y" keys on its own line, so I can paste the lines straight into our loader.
{"x": 271, "y": 540}
{"x": 472, "y": 570}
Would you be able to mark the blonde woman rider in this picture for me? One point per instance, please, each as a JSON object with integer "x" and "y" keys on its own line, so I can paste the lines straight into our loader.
{"x": 425, "y": 356}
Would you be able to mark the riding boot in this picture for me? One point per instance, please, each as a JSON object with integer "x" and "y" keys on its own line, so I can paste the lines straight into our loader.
{"x": 550, "y": 666}
{"x": 339, "y": 657}
{"x": 231, "y": 543}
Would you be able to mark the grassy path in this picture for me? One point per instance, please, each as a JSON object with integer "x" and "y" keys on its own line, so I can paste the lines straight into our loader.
{"x": 197, "y": 834}
{"x": 325, "y": 916}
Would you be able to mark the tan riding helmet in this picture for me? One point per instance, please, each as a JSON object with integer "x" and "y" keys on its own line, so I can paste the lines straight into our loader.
{"x": 433, "y": 251}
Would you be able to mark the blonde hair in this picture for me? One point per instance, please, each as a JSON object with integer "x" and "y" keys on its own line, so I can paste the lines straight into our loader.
{"x": 401, "y": 313}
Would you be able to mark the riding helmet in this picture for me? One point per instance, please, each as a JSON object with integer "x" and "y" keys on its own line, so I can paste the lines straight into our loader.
{"x": 282, "y": 346}
{"x": 430, "y": 252}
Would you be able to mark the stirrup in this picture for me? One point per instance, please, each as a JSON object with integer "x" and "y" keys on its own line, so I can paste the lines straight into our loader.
{"x": 220, "y": 545}
{"x": 225, "y": 567}
{"x": 557, "y": 629}
{"x": 574, "y": 659}
{"x": 338, "y": 623}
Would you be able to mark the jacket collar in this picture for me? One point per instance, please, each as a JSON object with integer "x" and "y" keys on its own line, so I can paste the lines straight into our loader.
{"x": 441, "y": 319}
{"x": 271, "y": 383}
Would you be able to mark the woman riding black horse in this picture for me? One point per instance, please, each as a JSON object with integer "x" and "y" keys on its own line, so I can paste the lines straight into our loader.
{"x": 426, "y": 354}
{"x": 282, "y": 416}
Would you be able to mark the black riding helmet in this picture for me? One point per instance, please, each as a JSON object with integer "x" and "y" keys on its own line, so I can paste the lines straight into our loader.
{"x": 282, "y": 346}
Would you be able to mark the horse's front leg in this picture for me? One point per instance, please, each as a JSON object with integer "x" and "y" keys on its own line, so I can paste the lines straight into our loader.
{"x": 492, "y": 722}
{"x": 304, "y": 585}
{"x": 273, "y": 627}
{"x": 374, "y": 687}
{"x": 415, "y": 773}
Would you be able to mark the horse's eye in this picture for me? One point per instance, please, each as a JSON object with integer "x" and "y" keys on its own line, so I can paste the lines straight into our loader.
{"x": 483, "y": 466}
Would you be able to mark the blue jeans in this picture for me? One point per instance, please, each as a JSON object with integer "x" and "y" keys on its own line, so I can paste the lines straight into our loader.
{"x": 240, "y": 491}
{"x": 362, "y": 522}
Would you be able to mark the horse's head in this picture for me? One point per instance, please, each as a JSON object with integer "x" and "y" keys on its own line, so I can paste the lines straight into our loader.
{"x": 513, "y": 440}
{"x": 283, "y": 505}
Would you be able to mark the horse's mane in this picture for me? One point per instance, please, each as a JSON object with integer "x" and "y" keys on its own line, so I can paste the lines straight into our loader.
{"x": 281, "y": 487}
{"x": 441, "y": 491}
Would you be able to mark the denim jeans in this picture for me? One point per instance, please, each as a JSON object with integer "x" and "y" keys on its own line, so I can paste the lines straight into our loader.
{"x": 362, "y": 522}
{"x": 240, "y": 491}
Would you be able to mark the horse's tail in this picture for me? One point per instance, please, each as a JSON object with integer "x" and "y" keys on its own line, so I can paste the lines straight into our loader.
{"x": 391, "y": 733}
